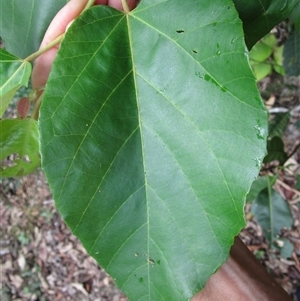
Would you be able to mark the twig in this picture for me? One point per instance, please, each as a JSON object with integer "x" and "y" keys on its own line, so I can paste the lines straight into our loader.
{"x": 125, "y": 6}
{"x": 33, "y": 56}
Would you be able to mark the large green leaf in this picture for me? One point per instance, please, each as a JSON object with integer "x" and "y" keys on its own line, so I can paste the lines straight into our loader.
{"x": 14, "y": 74}
{"x": 23, "y": 23}
{"x": 260, "y": 16}
{"x": 18, "y": 138}
{"x": 152, "y": 131}
{"x": 272, "y": 213}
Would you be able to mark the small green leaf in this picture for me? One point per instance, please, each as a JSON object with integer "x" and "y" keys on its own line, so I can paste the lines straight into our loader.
{"x": 269, "y": 40}
{"x": 14, "y": 74}
{"x": 278, "y": 60}
{"x": 278, "y": 124}
{"x": 18, "y": 138}
{"x": 260, "y": 52}
{"x": 276, "y": 151}
{"x": 261, "y": 70}
{"x": 263, "y": 49}
{"x": 291, "y": 54}
{"x": 272, "y": 213}
{"x": 297, "y": 185}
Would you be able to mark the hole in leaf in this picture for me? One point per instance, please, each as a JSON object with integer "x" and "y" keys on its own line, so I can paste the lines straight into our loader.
{"x": 10, "y": 161}
{"x": 26, "y": 159}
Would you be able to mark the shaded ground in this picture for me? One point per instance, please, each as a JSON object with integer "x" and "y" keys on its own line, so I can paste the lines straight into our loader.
{"x": 40, "y": 258}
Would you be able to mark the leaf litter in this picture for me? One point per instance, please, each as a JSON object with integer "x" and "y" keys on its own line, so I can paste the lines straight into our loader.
{"x": 39, "y": 258}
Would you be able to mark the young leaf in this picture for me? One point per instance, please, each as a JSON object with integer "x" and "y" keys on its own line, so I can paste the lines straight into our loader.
{"x": 260, "y": 16}
{"x": 258, "y": 185}
{"x": 23, "y": 107}
{"x": 19, "y": 138}
{"x": 272, "y": 213}
{"x": 23, "y": 24}
{"x": 261, "y": 70}
{"x": 276, "y": 151}
{"x": 14, "y": 74}
{"x": 152, "y": 131}
{"x": 278, "y": 124}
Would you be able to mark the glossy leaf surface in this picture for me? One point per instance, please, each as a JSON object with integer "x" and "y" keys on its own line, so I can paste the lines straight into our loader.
{"x": 14, "y": 74}
{"x": 19, "y": 139}
{"x": 272, "y": 213}
{"x": 23, "y": 23}
{"x": 152, "y": 131}
{"x": 260, "y": 16}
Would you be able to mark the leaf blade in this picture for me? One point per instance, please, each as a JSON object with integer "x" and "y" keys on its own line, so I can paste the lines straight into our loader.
{"x": 15, "y": 73}
{"x": 19, "y": 137}
{"x": 272, "y": 213}
{"x": 24, "y": 24}
{"x": 137, "y": 134}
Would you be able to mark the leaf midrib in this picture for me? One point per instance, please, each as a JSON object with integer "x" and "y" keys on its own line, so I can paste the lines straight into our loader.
{"x": 142, "y": 148}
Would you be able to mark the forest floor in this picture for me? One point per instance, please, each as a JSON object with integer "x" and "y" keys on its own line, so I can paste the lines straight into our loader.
{"x": 41, "y": 260}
